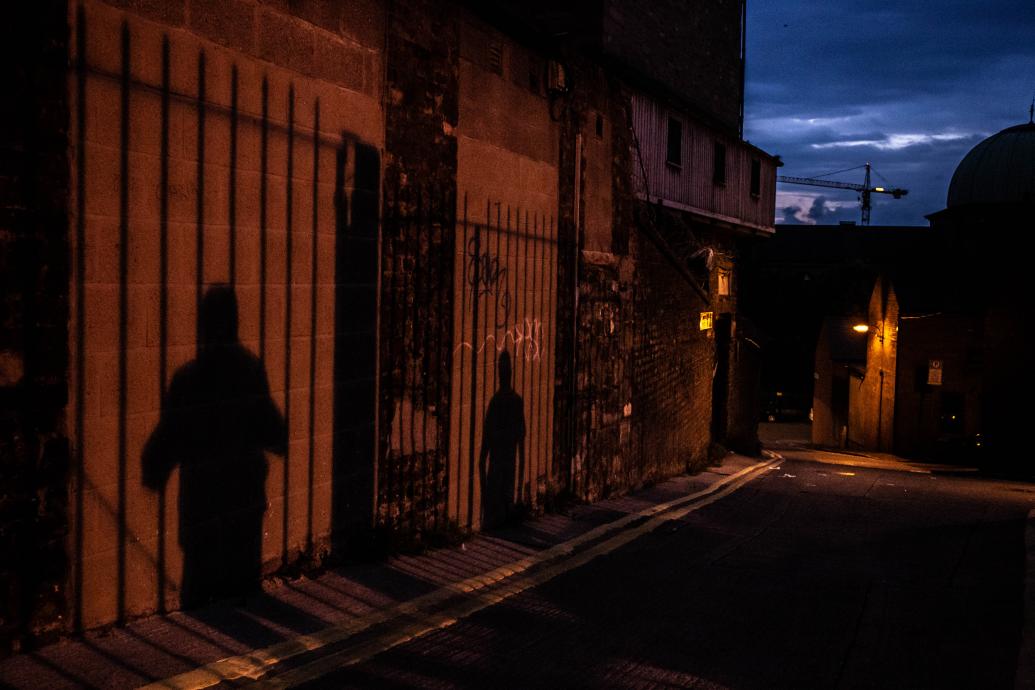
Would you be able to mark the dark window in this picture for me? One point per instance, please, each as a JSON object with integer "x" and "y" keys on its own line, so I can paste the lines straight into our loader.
{"x": 675, "y": 143}
{"x": 600, "y": 126}
{"x": 719, "y": 164}
{"x": 756, "y": 177}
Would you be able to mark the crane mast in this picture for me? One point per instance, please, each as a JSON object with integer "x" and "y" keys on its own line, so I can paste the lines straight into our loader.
{"x": 865, "y": 189}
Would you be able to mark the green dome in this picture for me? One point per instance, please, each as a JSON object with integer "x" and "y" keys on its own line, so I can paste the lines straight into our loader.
{"x": 999, "y": 170}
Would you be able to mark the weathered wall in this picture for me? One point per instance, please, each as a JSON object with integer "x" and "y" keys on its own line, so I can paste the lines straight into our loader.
{"x": 219, "y": 166}
{"x": 333, "y": 267}
{"x": 672, "y": 369}
{"x": 33, "y": 321}
{"x": 505, "y": 296}
{"x": 956, "y": 341}
{"x": 745, "y": 362}
{"x": 824, "y": 430}
{"x": 872, "y": 399}
{"x": 422, "y": 110}
{"x": 692, "y": 184}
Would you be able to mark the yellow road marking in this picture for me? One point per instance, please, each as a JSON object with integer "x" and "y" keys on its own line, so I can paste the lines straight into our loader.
{"x": 430, "y": 622}
{"x": 257, "y": 663}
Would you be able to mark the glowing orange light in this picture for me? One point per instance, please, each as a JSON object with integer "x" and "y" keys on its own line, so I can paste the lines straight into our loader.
{"x": 860, "y": 328}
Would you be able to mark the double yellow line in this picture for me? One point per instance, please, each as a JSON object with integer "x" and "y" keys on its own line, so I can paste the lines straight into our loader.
{"x": 420, "y": 616}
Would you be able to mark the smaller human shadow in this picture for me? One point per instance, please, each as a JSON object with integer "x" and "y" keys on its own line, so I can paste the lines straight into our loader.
{"x": 217, "y": 421}
{"x": 502, "y": 457}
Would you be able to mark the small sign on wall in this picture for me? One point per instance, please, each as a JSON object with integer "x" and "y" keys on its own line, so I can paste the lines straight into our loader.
{"x": 934, "y": 372}
{"x": 707, "y": 318}
{"x": 724, "y": 282}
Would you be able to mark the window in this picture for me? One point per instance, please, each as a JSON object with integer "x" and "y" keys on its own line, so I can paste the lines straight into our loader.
{"x": 719, "y": 164}
{"x": 756, "y": 177}
{"x": 674, "y": 156}
{"x": 600, "y": 126}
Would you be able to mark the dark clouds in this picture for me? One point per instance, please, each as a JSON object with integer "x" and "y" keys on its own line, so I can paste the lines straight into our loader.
{"x": 909, "y": 87}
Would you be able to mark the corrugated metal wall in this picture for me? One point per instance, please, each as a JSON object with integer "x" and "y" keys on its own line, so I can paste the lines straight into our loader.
{"x": 691, "y": 184}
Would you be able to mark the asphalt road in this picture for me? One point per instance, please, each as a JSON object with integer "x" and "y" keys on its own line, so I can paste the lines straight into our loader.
{"x": 811, "y": 576}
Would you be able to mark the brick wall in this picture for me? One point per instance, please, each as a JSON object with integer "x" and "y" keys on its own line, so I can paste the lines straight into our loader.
{"x": 872, "y": 398}
{"x": 33, "y": 322}
{"x": 672, "y": 369}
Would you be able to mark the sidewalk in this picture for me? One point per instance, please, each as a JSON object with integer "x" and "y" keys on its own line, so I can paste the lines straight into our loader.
{"x": 799, "y": 450}
{"x": 291, "y": 617}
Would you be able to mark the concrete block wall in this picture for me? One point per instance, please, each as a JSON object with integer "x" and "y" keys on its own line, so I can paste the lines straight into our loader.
{"x": 270, "y": 214}
{"x": 506, "y": 291}
{"x": 214, "y": 153}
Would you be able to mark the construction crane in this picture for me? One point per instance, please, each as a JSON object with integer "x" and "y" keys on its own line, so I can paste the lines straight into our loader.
{"x": 865, "y": 189}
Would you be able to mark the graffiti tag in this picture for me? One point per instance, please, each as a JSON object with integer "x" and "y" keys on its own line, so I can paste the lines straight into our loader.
{"x": 525, "y": 336}
{"x": 484, "y": 273}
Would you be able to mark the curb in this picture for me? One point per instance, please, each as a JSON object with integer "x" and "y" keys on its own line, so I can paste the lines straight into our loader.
{"x": 423, "y": 614}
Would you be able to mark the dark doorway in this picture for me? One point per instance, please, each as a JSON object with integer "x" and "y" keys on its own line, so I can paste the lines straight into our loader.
{"x": 355, "y": 342}
{"x": 721, "y": 377}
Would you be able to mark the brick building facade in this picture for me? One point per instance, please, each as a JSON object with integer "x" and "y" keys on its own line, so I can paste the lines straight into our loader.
{"x": 296, "y": 279}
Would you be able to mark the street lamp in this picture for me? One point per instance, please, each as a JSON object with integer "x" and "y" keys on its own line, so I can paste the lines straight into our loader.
{"x": 864, "y": 328}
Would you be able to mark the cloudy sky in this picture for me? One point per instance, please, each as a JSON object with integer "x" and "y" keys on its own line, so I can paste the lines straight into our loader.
{"x": 909, "y": 86}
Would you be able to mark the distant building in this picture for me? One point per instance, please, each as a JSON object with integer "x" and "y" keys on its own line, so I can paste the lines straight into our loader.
{"x": 950, "y": 331}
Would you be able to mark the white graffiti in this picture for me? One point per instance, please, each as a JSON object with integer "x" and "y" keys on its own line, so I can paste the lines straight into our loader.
{"x": 526, "y": 337}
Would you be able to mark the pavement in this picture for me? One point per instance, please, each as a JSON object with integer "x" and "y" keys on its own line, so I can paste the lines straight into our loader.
{"x": 806, "y": 568}
{"x": 374, "y": 605}
{"x": 808, "y": 576}
{"x": 792, "y": 441}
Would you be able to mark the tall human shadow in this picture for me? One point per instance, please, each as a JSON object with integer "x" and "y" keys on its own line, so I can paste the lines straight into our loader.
{"x": 217, "y": 420}
{"x": 502, "y": 456}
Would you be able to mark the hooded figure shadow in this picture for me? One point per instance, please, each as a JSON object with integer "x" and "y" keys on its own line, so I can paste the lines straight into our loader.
{"x": 217, "y": 421}
{"x": 502, "y": 456}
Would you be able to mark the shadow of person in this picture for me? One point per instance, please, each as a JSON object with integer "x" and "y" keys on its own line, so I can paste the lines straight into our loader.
{"x": 503, "y": 445}
{"x": 217, "y": 420}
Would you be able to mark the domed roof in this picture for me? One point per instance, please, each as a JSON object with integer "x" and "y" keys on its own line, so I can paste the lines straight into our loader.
{"x": 999, "y": 170}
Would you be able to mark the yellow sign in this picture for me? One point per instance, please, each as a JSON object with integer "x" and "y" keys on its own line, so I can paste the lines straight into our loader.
{"x": 706, "y": 320}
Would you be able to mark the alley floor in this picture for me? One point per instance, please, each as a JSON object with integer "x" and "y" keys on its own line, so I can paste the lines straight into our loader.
{"x": 788, "y": 573}
{"x": 811, "y": 576}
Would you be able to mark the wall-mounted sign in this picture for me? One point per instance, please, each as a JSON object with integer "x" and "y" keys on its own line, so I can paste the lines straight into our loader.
{"x": 724, "y": 282}
{"x": 707, "y": 318}
{"x": 934, "y": 372}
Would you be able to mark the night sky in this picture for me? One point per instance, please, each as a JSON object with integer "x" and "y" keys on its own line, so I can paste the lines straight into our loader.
{"x": 909, "y": 86}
